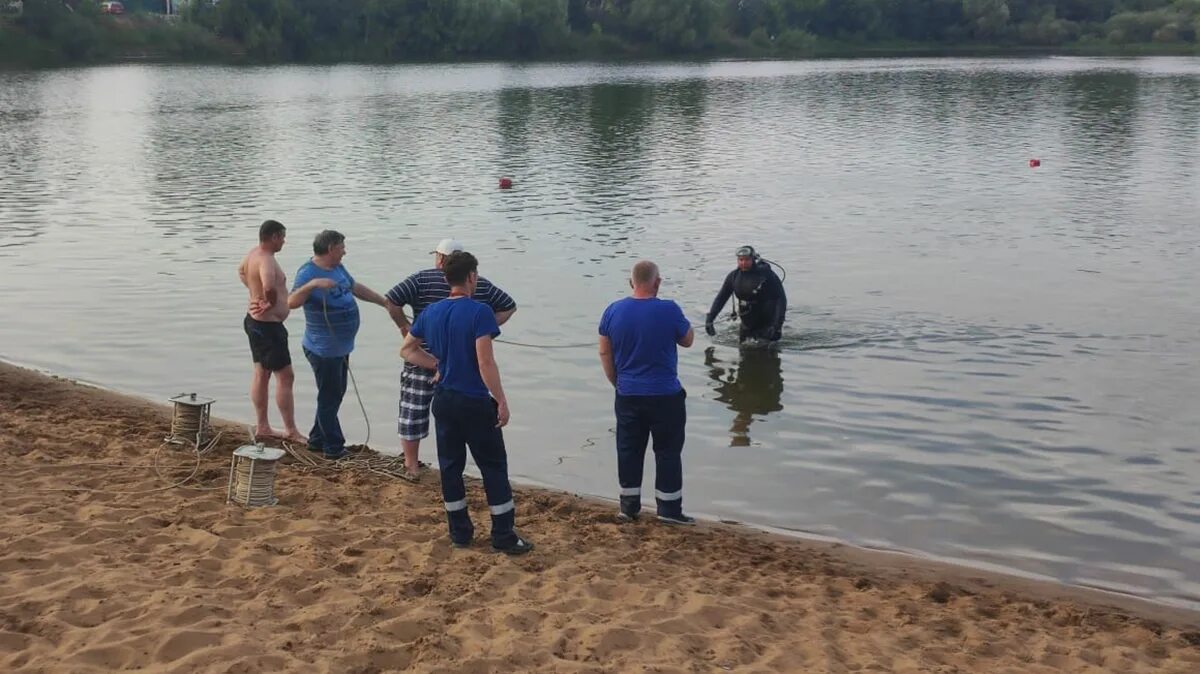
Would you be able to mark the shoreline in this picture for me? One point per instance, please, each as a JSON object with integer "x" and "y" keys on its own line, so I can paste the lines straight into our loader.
{"x": 917, "y": 563}
{"x": 828, "y": 52}
{"x": 104, "y": 568}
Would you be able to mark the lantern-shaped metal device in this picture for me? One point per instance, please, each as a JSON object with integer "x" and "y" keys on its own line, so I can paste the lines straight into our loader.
{"x": 190, "y": 424}
{"x": 252, "y": 476}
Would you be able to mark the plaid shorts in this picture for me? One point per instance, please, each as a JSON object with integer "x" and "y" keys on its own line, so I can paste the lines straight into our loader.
{"x": 416, "y": 393}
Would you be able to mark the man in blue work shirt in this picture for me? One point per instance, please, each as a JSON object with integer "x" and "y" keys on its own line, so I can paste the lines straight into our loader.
{"x": 327, "y": 292}
{"x": 639, "y": 336}
{"x": 454, "y": 337}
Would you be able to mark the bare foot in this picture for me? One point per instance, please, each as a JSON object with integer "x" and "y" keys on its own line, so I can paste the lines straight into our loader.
{"x": 266, "y": 433}
{"x": 296, "y": 436}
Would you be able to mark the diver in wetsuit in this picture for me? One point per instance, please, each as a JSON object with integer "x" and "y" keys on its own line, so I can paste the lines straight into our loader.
{"x": 760, "y": 300}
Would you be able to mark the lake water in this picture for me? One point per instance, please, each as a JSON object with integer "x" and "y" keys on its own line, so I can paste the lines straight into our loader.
{"x": 983, "y": 361}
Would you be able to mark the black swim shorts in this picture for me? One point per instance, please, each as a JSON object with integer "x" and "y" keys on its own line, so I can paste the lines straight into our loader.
{"x": 268, "y": 343}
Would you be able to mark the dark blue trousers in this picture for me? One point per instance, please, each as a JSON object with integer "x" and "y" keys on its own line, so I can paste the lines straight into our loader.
{"x": 462, "y": 422}
{"x": 332, "y": 376}
{"x": 640, "y": 418}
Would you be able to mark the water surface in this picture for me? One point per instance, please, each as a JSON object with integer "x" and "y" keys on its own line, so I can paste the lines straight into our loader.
{"x": 983, "y": 361}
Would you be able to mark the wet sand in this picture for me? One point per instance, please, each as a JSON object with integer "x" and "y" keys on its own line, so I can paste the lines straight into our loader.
{"x": 105, "y": 566}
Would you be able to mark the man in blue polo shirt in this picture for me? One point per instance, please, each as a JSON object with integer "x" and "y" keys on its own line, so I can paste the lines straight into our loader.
{"x": 454, "y": 337}
{"x": 639, "y": 336}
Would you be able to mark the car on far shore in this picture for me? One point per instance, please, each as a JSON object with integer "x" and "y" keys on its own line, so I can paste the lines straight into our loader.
{"x": 112, "y": 7}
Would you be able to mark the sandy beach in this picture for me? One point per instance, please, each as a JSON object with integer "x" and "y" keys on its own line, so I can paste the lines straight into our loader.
{"x": 107, "y": 567}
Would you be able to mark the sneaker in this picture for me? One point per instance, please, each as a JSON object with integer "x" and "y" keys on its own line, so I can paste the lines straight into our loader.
{"x": 519, "y": 547}
{"x": 630, "y": 508}
{"x": 679, "y": 519}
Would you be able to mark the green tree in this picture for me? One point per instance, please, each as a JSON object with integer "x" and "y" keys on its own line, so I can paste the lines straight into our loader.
{"x": 987, "y": 19}
{"x": 676, "y": 25}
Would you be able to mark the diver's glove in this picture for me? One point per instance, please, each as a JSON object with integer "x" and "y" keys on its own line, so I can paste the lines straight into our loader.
{"x": 708, "y": 328}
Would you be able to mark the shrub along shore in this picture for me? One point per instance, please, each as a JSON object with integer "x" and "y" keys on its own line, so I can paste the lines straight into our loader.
{"x": 53, "y": 32}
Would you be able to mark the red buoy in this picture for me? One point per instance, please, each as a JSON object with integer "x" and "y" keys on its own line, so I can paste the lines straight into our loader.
{"x": 505, "y": 183}
{"x": 1034, "y": 163}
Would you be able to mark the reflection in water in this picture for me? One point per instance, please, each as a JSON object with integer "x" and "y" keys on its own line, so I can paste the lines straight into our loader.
{"x": 614, "y": 160}
{"x": 751, "y": 385}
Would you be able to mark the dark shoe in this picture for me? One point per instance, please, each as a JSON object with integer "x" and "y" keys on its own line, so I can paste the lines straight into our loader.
{"x": 517, "y": 547}
{"x": 631, "y": 507}
{"x": 336, "y": 457}
{"x": 460, "y": 544}
{"x": 678, "y": 519}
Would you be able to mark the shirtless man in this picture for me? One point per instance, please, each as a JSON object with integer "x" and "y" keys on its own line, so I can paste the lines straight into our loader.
{"x": 268, "y": 308}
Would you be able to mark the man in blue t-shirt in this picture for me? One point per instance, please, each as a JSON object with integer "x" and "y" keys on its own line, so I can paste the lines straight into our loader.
{"x": 454, "y": 337}
{"x": 638, "y": 340}
{"x": 327, "y": 292}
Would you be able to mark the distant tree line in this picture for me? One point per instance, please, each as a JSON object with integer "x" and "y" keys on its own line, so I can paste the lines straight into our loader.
{"x": 58, "y": 32}
{"x": 395, "y": 30}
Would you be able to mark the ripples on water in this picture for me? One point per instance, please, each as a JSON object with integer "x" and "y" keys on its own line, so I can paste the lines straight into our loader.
{"x": 982, "y": 362}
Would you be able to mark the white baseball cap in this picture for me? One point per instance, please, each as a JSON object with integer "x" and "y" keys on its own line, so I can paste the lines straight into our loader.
{"x": 447, "y": 246}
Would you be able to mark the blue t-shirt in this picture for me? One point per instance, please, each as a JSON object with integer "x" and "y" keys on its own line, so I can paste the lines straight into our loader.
{"x": 449, "y": 329}
{"x": 330, "y": 316}
{"x": 644, "y": 334}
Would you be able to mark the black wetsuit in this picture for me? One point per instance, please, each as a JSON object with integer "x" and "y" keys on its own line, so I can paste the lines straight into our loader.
{"x": 761, "y": 302}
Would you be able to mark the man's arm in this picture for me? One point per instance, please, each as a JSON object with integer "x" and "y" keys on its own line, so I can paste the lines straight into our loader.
{"x": 398, "y": 316}
{"x": 367, "y": 295}
{"x": 413, "y": 351}
{"x": 719, "y": 303}
{"x": 684, "y": 334}
{"x": 606, "y": 360}
{"x": 503, "y": 316}
{"x": 502, "y": 303}
{"x": 259, "y": 301}
{"x": 299, "y": 296}
{"x": 490, "y": 372}
{"x": 266, "y": 276}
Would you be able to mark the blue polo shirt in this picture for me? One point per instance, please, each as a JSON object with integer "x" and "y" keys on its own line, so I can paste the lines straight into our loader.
{"x": 449, "y": 329}
{"x": 330, "y": 316}
{"x": 644, "y": 334}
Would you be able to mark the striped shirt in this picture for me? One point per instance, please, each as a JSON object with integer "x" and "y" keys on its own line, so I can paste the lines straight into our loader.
{"x": 426, "y": 287}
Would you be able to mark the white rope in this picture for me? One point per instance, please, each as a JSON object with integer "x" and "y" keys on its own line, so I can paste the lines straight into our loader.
{"x": 195, "y": 469}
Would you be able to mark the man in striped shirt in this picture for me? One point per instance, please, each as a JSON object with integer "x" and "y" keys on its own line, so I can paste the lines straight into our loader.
{"x": 416, "y": 383}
